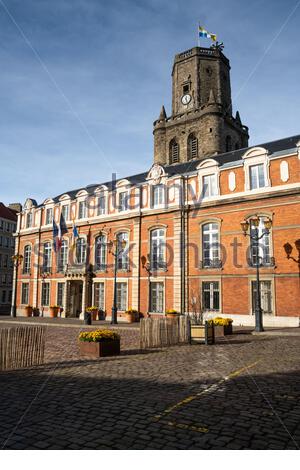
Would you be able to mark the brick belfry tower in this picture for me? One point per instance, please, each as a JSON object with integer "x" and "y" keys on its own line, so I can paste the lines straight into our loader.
{"x": 201, "y": 123}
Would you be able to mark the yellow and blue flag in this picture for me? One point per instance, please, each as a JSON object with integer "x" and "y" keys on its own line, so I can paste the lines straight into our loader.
{"x": 205, "y": 34}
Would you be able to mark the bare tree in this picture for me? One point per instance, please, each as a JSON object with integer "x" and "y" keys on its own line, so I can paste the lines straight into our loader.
{"x": 196, "y": 307}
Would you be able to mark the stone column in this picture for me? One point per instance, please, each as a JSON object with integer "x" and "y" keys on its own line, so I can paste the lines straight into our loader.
{"x": 135, "y": 265}
{"x": 83, "y": 298}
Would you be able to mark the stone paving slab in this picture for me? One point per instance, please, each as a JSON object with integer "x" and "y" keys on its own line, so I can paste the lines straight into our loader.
{"x": 243, "y": 393}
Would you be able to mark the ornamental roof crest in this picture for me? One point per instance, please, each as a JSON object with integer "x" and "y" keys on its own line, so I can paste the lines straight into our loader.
{"x": 156, "y": 173}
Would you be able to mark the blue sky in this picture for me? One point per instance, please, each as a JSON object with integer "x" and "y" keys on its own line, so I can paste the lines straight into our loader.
{"x": 82, "y": 81}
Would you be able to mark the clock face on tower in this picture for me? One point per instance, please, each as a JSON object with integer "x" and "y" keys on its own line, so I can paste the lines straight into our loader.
{"x": 185, "y": 99}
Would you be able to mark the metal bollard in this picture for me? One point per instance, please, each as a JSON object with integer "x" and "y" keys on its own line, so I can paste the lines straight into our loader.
{"x": 87, "y": 318}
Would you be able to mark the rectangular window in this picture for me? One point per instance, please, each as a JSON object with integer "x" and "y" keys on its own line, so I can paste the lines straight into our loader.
{"x": 82, "y": 210}
{"x": 257, "y": 176}
{"x": 99, "y": 295}
{"x": 101, "y": 205}
{"x": 29, "y": 220}
{"x": 158, "y": 195}
{"x": 46, "y": 293}
{"x": 49, "y": 216}
{"x": 5, "y": 261}
{"x": 25, "y": 294}
{"x": 211, "y": 296}
{"x": 157, "y": 297}
{"x": 209, "y": 186}
{"x": 123, "y": 201}
{"x": 65, "y": 212}
{"x": 210, "y": 246}
{"x": 6, "y": 242}
{"x": 0, "y": 260}
{"x": 265, "y": 296}
{"x": 60, "y": 293}
{"x": 122, "y": 296}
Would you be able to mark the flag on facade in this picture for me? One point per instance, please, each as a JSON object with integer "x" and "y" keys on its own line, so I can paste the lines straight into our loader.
{"x": 75, "y": 234}
{"x": 61, "y": 230}
{"x": 205, "y": 34}
{"x": 54, "y": 234}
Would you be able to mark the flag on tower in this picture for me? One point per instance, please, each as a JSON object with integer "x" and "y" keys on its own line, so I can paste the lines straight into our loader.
{"x": 205, "y": 34}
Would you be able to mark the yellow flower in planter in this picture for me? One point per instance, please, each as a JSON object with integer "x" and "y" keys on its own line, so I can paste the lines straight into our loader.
{"x": 98, "y": 336}
{"x": 219, "y": 321}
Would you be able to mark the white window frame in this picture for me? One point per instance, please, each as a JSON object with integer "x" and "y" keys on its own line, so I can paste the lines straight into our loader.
{"x": 25, "y": 285}
{"x": 82, "y": 205}
{"x": 213, "y": 261}
{"x": 210, "y": 168}
{"x": 156, "y": 283}
{"x": 96, "y": 285}
{"x": 44, "y": 284}
{"x": 125, "y": 283}
{"x": 158, "y": 241}
{"x": 158, "y": 195}
{"x": 102, "y": 246}
{"x": 67, "y": 208}
{"x": 27, "y": 259}
{"x": 63, "y": 284}
{"x": 253, "y": 157}
{"x": 48, "y": 215}
{"x": 83, "y": 250}
{"x": 63, "y": 256}
{"x": 123, "y": 259}
{"x": 211, "y": 283}
{"x": 252, "y": 285}
{"x": 47, "y": 256}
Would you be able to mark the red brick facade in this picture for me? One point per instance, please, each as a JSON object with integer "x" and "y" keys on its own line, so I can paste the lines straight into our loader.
{"x": 184, "y": 278}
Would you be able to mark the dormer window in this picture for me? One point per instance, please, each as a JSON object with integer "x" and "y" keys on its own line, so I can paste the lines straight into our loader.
{"x": 210, "y": 186}
{"x": 29, "y": 220}
{"x": 101, "y": 205}
{"x": 158, "y": 195}
{"x": 257, "y": 176}
{"x": 82, "y": 210}
{"x": 65, "y": 212}
{"x": 123, "y": 202}
{"x": 49, "y": 216}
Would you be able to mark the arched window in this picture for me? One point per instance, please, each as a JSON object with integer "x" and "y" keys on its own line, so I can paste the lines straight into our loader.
{"x": 63, "y": 256}
{"x": 260, "y": 251}
{"x": 157, "y": 249}
{"x": 47, "y": 257}
{"x": 123, "y": 253}
{"x": 228, "y": 143}
{"x": 173, "y": 152}
{"x": 27, "y": 259}
{"x": 192, "y": 147}
{"x": 81, "y": 250}
{"x": 100, "y": 253}
{"x": 210, "y": 246}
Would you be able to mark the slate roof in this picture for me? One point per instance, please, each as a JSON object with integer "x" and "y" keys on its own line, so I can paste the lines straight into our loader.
{"x": 182, "y": 168}
{"x": 7, "y": 213}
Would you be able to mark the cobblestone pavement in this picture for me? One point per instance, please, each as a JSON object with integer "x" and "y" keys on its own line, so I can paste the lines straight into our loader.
{"x": 243, "y": 393}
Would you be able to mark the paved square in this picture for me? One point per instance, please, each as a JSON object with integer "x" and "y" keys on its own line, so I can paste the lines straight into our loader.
{"x": 243, "y": 393}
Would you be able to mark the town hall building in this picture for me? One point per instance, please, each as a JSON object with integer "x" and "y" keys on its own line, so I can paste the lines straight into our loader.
{"x": 176, "y": 229}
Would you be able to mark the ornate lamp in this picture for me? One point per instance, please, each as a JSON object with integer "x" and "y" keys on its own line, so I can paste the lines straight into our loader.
{"x": 245, "y": 226}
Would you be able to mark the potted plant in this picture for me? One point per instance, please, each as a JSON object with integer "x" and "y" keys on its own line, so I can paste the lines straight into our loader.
{"x": 99, "y": 343}
{"x": 28, "y": 311}
{"x": 54, "y": 311}
{"x": 171, "y": 313}
{"x": 94, "y": 311}
{"x": 131, "y": 315}
{"x": 222, "y": 326}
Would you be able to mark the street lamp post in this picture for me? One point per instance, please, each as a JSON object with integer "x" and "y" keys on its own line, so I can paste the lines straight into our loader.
{"x": 254, "y": 235}
{"x": 116, "y": 254}
{"x": 147, "y": 266}
{"x": 44, "y": 276}
{"x": 17, "y": 260}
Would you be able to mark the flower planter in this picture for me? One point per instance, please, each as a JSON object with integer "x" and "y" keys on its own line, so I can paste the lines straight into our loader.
{"x": 53, "y": 312}
{"x": 228, "y": 329}
{"x": 100, "y": 348}
{"x": 94, "y": 314}
{"x": 35, "y": 312}
{"x": 202, "y": 334}
{"x": 28, "y": 311}
{"x": 219, "y": 331}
